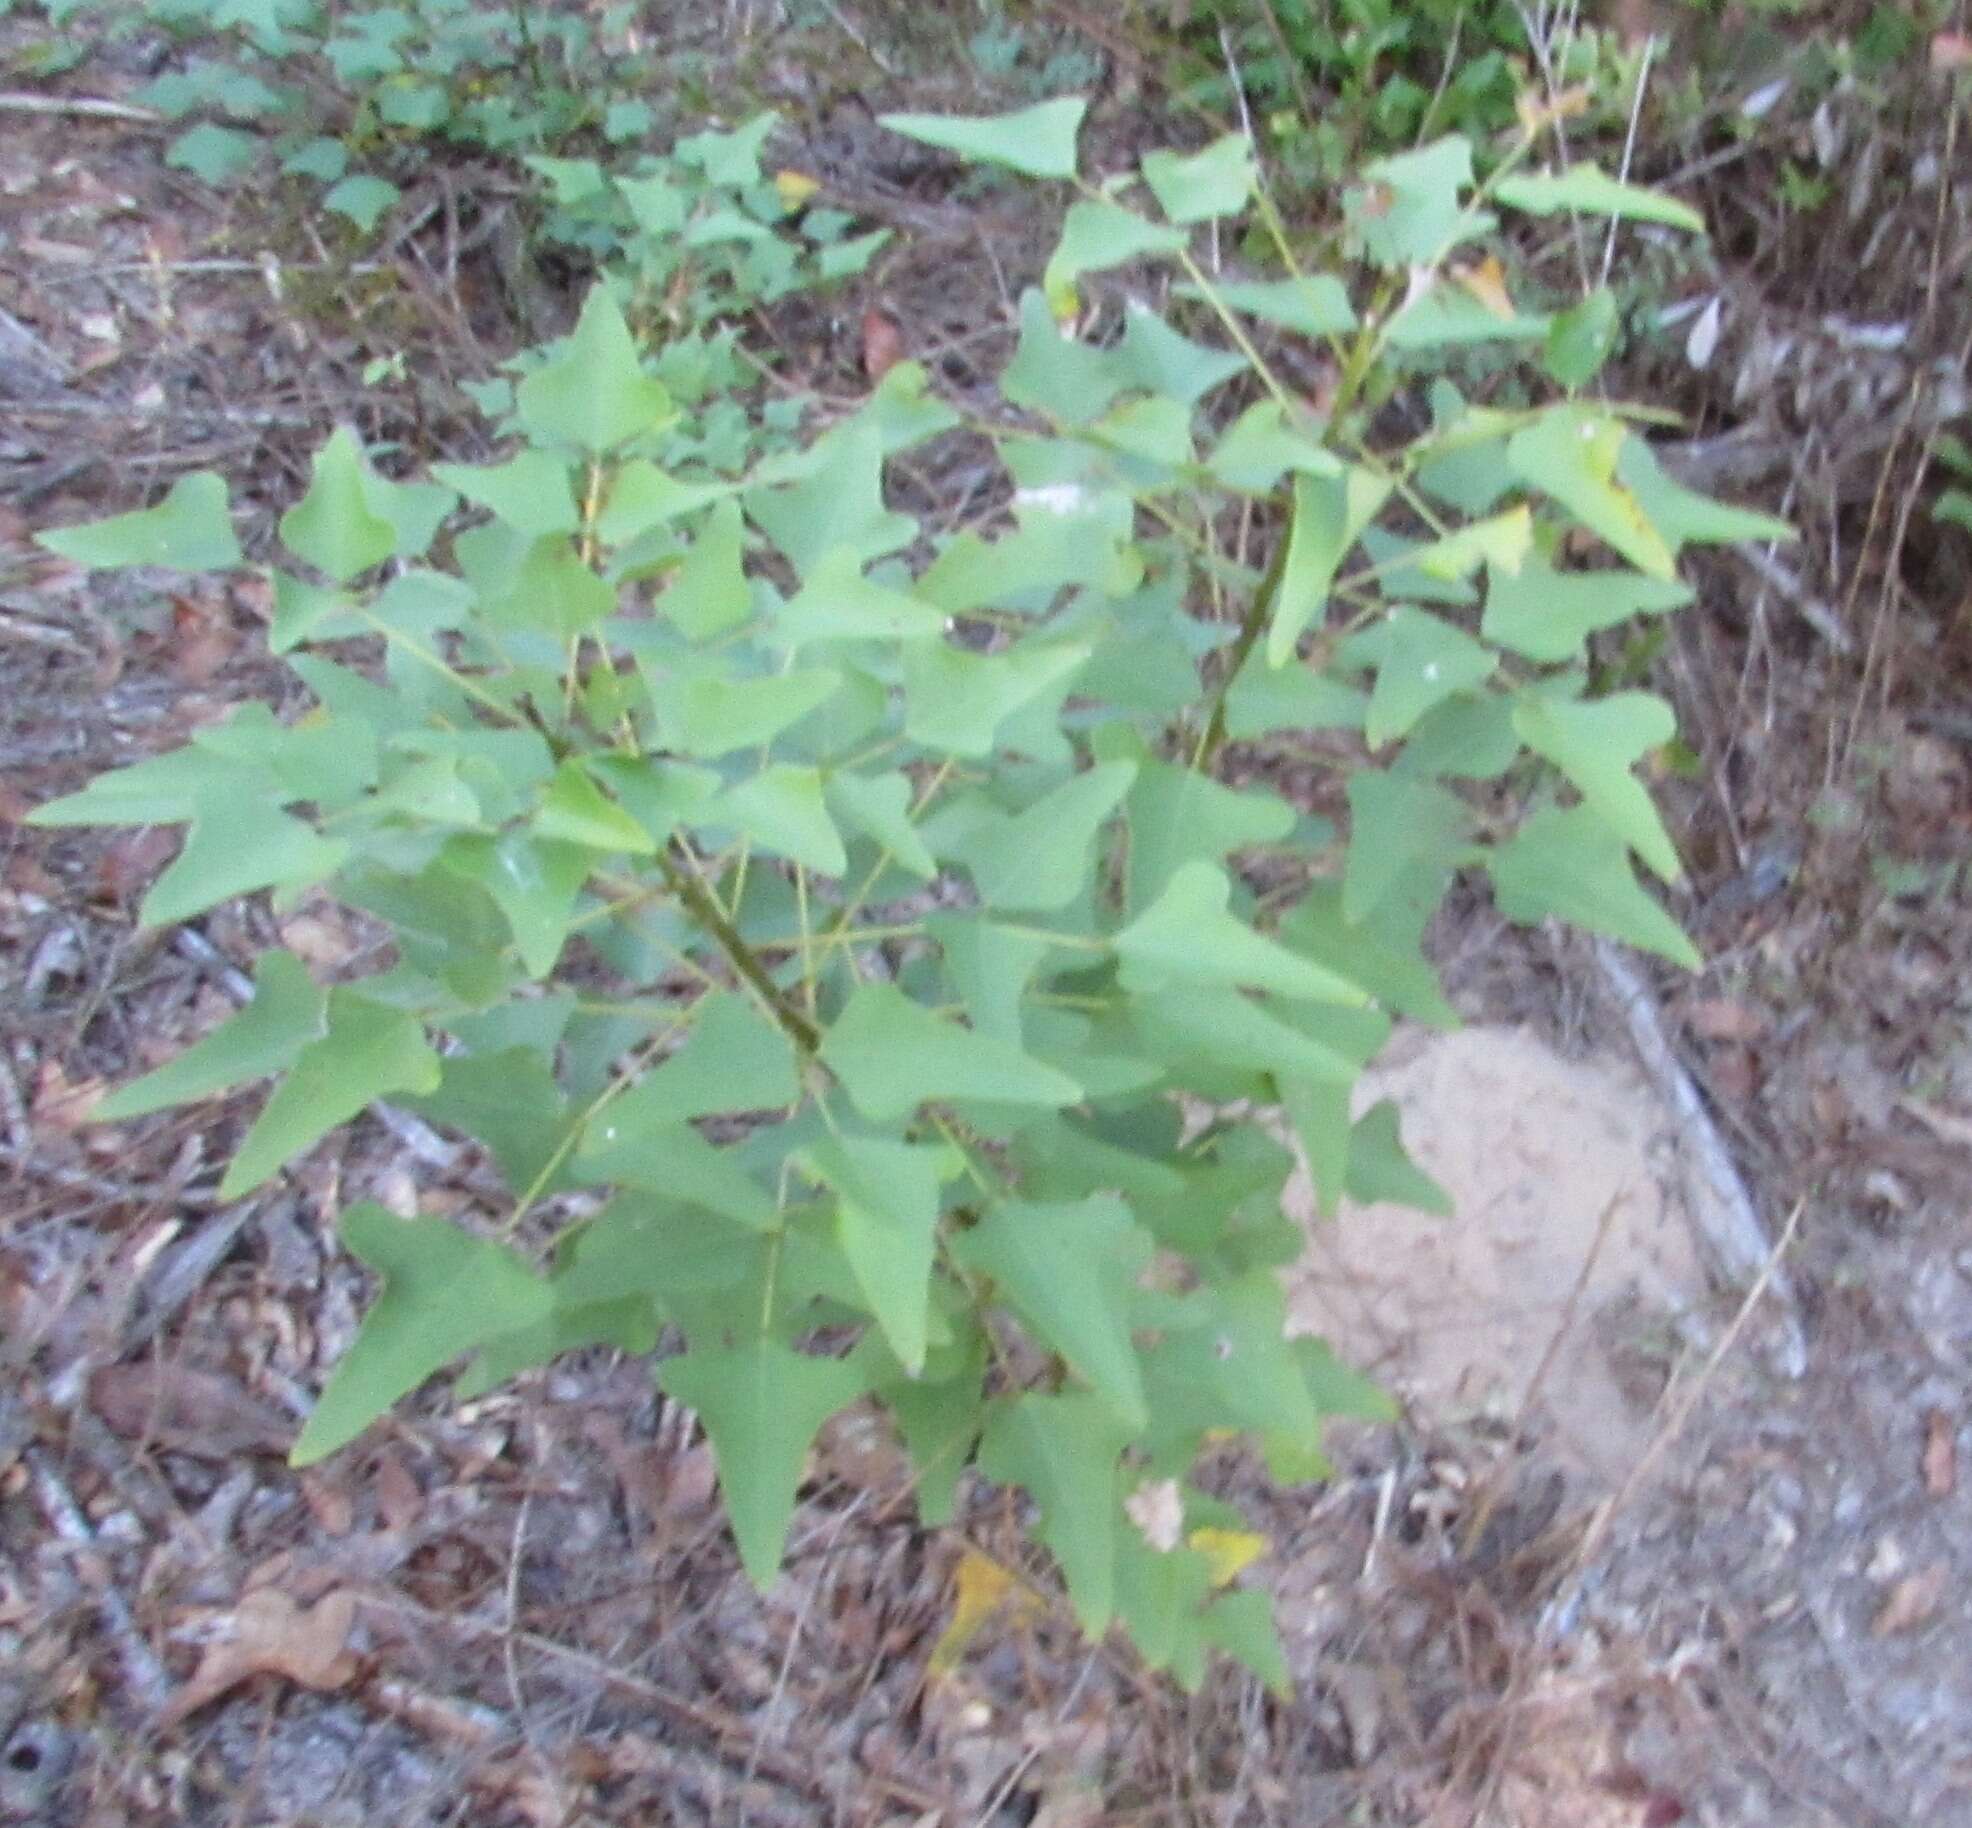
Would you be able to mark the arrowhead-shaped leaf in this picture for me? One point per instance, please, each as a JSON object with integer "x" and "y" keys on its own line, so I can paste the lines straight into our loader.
{"x": 368, "y": 1051}
{"x": 893, "y": 1055}
{"x": 1039, "y": 141}
{"x": 762, "y": 1405}
{"x": 1067, "y": 1271}
{"x": 265, "y": 1037}
{"x": 1188, "y": 936}
{"x": 1594, "y": 742}
{"x": 444, "y": 1292}
{"x": 190, "y": 530}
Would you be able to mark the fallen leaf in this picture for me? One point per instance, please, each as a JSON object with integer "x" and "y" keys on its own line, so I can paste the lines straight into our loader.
{"x": 63, "y": 1105}
{"x": 1724, "y": 1019}
{"x": 1912, "y": 1601}
{"x": 132, "y": 860}
{"x": 980, "y": 1587}
{"x": 187, "y": 1410}
{"x": 1157, "y": 1509}
{"x": 274, "y": 1637}
{"x": 201, "y": 641}
{"x": 883, "y": 343}
{"x": 1940, "y": 1454}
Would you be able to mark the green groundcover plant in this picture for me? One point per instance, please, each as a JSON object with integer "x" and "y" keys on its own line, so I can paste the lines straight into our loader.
{"x": 834, "y": 930}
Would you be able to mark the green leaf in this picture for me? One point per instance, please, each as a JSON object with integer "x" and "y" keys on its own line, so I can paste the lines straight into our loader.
{"x": 444, "y": 1292}
{"x": 707, "y": 716}
{"x": 1581, "y": 339}
{"x": 886, "y": 1221}
{"x": 1570, "y": 454}
{"x": 1195, "y": 187}
{"x": 1241, "y": 1624}
{"x": 1397, "y": 975}
{"x": 641, "y": 496}
{"x": 762, "y": 1405}
{"x": 190, "y": 530}
{"x": 1594, "y": 744}
{"x": 1330, "y": 513}
{"x": 1064, "y": 1451}
{"x": 1396, "y": 822}
{"x": 265, "y": 1037}
{"x": 879, "y": 806}
{"x": 837, "y": 603}
{"x": 1180, "y": 816}
{"x": 1232, "y": 1030}
{"x": 333, "y": 526}
{"x": 361, "y": 198}
{"x": 710, "y": 594}
{"x": 533, "y": 881}
{"x": 509, "y": 1101}
{"x": 893, "y": 1055}
{"x": 592, "y": 392}
{"x": 238, "y": 843}
{"x": 1068, "y": 1271}
{"x": 215, "y": 154}
{"x": 1039, "y": 141}
{"x": 530, "y": 491}
{"x": 1096, "y": 236}
{"x": 940, "y": 1420}
{"x": 1685, "y": 517}
{"x": 1187, "y": 936}
{"x": 1407, "y": 211}
{"x": 367, "y": 1051}
{"x": 1159, "y": 360}
{"x": 838, "y": 503}
{"x": 1381, "y": 1170}
{"x": 990, "y": 966}
{"x": 1585, "y": 186}
{"x": 1313, "y": 306}
{"x": 781, "y": 808}
{"x": 1263, "y": 699}
{"x": 1571, "y": 864}
{"x": 1038, "y": 860}
{"x": 1054, "y": 373}
{"x": 675, "y": 1161}
{"x": 1425, "y": 661}
{"x": 1502, "y": 541}
{"x": 1547, "y": 614}
{"x": 574, "y": 810}
{"x": 956, "y": 700}
{"x": 734, "y": 1060}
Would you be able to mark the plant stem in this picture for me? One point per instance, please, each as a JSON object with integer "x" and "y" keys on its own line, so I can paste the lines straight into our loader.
{"x": 697, "y": 901}
{"x": 1257, "y": 613}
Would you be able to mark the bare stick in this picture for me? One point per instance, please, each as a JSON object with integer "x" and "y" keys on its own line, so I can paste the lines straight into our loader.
{"x": 1721, "y": 1210}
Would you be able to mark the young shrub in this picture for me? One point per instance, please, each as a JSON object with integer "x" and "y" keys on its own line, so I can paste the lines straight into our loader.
{"x": 867, "y": 943}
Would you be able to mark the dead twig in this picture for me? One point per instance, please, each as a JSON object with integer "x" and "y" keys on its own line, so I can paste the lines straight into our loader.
{"x": 1728, "y": 1227}
{"x": 77, "y": 107}
{"x": 149, "y": 1683}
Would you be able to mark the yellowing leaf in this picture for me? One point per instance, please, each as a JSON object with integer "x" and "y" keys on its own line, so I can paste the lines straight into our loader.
{"x": 981, "y": 1587}
{"x": 1230, "y": 1552}
{"x": 1487, "y": 283}
{"x": 794, "y": 188}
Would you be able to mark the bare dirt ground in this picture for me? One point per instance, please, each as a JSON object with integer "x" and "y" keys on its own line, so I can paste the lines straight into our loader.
{"x": 1628, "y": 1561}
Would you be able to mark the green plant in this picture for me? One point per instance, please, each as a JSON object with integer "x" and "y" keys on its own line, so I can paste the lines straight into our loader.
{"x": 835, "y": 933}
{"x": 345, "y": 96}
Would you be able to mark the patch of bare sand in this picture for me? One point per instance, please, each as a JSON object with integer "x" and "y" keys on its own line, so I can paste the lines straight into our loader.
{"x": 1567, "y": 1241}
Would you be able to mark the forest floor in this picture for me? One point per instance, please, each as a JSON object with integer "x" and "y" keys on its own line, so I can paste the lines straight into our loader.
{"x": 1661, "y": 1538}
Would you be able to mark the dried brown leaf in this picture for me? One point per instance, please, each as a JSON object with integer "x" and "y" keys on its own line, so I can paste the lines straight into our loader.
{"x": 274, "y": 1637}
{"x": 883, "y": 343}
